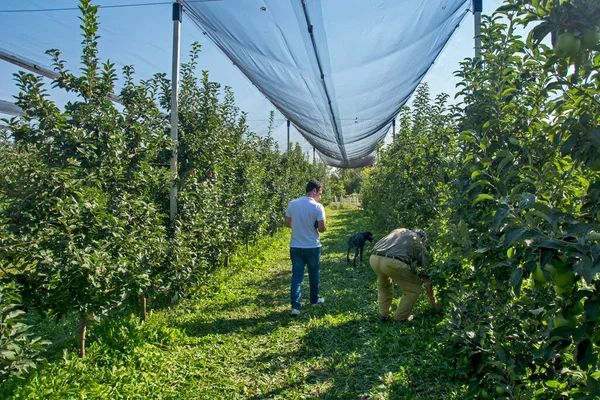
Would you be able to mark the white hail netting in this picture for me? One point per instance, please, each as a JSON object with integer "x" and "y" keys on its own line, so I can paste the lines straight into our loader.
{"x": 340, "y": 70}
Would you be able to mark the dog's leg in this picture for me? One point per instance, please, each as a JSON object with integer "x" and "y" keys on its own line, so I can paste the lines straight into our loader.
{"x": 361, "y": 251}
{"x": 348, "y": 255}
{"x": 355, "y": 255}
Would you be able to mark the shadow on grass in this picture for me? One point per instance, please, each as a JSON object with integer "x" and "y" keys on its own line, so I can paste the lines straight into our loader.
{"x": 270, "y": 293}
{"x": 356, "y": 359}
{"x": 222, "y": 326}
{"x": 232, "y": 316}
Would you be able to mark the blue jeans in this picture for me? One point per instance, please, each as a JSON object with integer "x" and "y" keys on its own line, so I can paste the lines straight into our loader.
{"x": 312, "y": 259}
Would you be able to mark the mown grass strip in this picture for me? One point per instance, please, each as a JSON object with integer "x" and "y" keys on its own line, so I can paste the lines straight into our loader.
{"x": 234, "y": 339}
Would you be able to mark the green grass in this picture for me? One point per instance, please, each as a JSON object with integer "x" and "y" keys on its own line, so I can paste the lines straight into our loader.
{"x": 234, "y": 339}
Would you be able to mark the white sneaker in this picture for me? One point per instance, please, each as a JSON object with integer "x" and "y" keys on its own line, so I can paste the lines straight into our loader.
{"x": 294, "y": 312}
{"x": 320, "y": 301}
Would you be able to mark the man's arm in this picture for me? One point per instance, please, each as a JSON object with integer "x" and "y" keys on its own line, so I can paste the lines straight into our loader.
{"x": 288, "y": 221}
{"x": 430, "y": 295}
{"x": 322, "y": 226}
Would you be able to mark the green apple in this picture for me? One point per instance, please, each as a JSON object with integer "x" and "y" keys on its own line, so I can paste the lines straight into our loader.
{"x": 538, "y": 275}
{"x": 594, "y": 236}
{"x": 563, "y": 277}
{"x": 550, "y": 268}
{"x": 562, "y": 291}
{"x": 590, "y": 38}
{"x": 510, "y": 252}
{"x": 559, "y": 320}
{"x": 559, "y": 261}
{"x": 567, "y": 45}
{"x": 500, "y": 390}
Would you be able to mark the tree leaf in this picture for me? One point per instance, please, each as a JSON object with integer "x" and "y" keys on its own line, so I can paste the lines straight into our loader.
{"x": 595, "y": 137}
{"x": 467, "y": 136}
{"x": 586, "y": 268}
{"x": 539, "y": 32}
{"x": 482, "y": 197}
{"x": 508, "y": 91}
{"x": 537, "y": 311}
{"x": 516, "y": 277}
{"x": 593, "y": 386}
{"x": 568, "y": 146}
{"x": 527, "y": 201}
{"x": 584, "y": 354}
{"x": 508, "y": 7}
{"x": 511, "y": 236}
{"x": 503, "y": 163}
{"x": 552, "y": 244}
{"x": 499, "y": 216}
{"x": 552, "y": 86}
{"x": 480, "y": 182}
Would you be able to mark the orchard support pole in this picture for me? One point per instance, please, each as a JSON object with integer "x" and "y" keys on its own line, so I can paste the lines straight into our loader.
{"x": 9, "y": 108}
{"x": 38, "y": 69}
{"x": 83, "y": 318}
{"x": 177, "y": 16}
{"x": 288, "y": 135}
{"x": 477, "y": 9}
{"x": 394, "y": 129}
{"x": 314, "y": 156}
{"x": 177, "y": 11}
{"x": 143, "y": 315}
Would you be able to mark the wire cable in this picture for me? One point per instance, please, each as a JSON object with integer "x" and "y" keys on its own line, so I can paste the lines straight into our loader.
{"x": 101, "y": 6}
{"x": 77, "y": 8}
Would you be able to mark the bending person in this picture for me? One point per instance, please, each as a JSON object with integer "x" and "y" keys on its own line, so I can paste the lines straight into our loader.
{"x": 391, "y": 260}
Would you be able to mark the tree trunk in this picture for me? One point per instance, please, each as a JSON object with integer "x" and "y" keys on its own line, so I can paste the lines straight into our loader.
{"x": 143, "y": 307}
{"x": 227, "y": 261}
{"x": 81, "y": 334}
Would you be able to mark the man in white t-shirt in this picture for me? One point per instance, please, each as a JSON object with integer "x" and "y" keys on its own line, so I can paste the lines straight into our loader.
{"x": 306, "y": 217}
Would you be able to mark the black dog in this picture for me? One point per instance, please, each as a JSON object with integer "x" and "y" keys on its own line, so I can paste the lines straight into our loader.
{"x": 357, "y": 241}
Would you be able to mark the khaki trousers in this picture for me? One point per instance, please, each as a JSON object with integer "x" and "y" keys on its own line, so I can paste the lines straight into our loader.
{"x": 390, "y": 270}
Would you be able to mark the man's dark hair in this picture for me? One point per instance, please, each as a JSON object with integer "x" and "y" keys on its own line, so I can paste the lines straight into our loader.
{"x": 421, "y": 233}
{"x": 313, "y": 184}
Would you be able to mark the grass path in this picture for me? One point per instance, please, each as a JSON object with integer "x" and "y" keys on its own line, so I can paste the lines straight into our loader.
{"x": 234, "y": 339}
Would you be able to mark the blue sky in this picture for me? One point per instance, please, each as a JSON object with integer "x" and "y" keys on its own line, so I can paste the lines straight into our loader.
{"x": 142, "y": 36}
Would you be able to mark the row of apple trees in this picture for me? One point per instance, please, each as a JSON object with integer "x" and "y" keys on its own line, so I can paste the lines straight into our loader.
{"x": 84, "y": 192}
{"x": 508, "y": 185}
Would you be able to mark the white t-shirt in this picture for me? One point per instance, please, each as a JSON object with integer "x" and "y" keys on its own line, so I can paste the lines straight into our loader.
{"x": 304, "y": 211}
